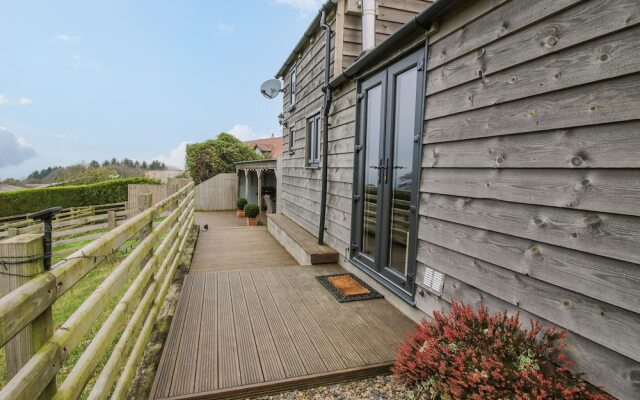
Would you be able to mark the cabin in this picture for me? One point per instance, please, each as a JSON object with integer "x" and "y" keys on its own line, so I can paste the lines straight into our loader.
{"x": 476, "y": 151}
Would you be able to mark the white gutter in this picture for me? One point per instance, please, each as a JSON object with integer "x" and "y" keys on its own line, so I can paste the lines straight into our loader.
{"x": 368, "y": 24}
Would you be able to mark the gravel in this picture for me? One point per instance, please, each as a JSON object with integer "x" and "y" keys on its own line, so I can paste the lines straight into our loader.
{"x": 379, "y": 388}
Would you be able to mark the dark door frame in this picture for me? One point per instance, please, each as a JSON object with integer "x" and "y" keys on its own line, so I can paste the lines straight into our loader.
{"x": 403, "y": 286}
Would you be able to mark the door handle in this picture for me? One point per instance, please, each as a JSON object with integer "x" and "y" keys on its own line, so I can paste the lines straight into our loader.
{"x": 386, "y": 170}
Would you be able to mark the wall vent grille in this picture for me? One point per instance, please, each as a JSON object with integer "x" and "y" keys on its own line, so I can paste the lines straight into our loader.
{"x": 433, "y": 280}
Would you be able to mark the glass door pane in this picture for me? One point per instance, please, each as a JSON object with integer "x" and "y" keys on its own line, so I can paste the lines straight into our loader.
{"x": 401, "y": 171}
{"x": 373, "y": 136}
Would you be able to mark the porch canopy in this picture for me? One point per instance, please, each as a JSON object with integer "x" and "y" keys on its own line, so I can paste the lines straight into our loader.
{"x": 254, "y": 177}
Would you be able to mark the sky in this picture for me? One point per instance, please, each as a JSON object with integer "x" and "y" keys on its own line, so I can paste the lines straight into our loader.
{"x": 83, "y": 80}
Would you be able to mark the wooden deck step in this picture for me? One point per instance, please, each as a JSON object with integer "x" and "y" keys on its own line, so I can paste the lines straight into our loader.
{"x": 301, "y": 244}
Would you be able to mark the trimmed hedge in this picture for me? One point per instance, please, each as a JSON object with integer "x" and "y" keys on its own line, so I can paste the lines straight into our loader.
{"x": 241, "y": 203}
{"x": 32, "y": 200}
{"x": 251, "y": 210}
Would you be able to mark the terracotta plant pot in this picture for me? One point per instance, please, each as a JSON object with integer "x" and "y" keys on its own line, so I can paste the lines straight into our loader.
{"x": 252, "y": 221}
{"x": 240, "y": 213}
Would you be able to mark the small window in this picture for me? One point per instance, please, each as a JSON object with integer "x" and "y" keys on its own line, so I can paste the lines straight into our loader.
{"x": 292, "y": 139}
{"x": 313, "y": 140}
{"x": 292, "y": 90}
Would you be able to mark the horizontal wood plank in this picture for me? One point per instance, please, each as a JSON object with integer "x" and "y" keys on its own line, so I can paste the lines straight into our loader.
{"x": 605, "y": 190}
{"x": 611, "y": 281}
{"x": 609, "y": 235}
{"x": 597, "y": 103}
{"x": 612, "y": 145}
{"x": 608, "y": 57}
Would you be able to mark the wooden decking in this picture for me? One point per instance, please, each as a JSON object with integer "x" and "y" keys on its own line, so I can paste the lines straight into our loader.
{"x": 231, "y": 245}
{"x": 255, "y": 331}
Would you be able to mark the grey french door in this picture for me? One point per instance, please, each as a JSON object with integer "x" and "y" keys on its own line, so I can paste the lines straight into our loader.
{"x": 387, "y": 172}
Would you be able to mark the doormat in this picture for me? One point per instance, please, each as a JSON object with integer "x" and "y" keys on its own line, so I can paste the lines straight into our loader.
{"x": 348, "y": 287}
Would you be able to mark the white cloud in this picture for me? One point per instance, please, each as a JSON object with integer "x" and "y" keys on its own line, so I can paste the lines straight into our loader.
{"x": 14, "y": 149}
{"x": 243, "y": 132}
{"x": 64, "y": 38}
{"x": 176, "y": 156}
{"x": 304, "y": 6}
{"x": 66, "y": 136}
{"x": 225, "y": 29}
{"x": 4, "y": 100}
{"x": 80, "y": 62}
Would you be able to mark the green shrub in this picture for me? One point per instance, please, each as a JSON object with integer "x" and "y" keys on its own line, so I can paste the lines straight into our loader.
{"x": 31, "y": 200}
{"x": 251, "y": 210}
{"x": 241, "y": 203}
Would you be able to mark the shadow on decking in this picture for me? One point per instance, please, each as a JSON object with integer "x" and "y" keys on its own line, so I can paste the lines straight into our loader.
{"x": 251, "y": 331}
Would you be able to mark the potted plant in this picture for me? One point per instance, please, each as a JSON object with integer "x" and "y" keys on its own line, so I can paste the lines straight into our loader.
{"x": 240, "y": 207}
{"x": 251, "y": 212}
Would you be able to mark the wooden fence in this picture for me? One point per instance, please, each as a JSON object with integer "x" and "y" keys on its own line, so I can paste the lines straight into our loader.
{"x": 67, "y": 220}
{"x": 217, "y": 193}
{"x": 35, "y": 352}
{"x": 158, "y": 192}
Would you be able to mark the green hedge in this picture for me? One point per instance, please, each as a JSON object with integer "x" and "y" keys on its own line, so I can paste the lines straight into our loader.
{"x": 32, "y": 200}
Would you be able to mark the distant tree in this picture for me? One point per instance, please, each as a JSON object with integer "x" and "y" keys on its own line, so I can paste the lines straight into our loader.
{"x": 144, "y": 165}
{"x": 105, "y": 163}
{"x": 80, "y": 174}
{"x": 12, "y": 182}
{"x": 216, "y": 156}
{"x": 94, "y": 164}
{"x": 37, "y": 176}
{"x": 114, "y": 161}
{"x": 156, "y": 165}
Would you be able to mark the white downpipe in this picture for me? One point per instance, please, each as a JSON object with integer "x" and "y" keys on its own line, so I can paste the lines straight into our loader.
{"x": 368, "y": 24}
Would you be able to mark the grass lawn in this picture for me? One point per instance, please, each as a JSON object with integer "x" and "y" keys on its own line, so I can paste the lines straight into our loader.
{"x": 73, "y": 298}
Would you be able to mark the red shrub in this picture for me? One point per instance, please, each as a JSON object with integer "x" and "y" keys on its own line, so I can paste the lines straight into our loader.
{"x": 473, "y": 355}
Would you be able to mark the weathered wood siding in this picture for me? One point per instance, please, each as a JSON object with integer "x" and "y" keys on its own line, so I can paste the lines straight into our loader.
{"x": 217, "y": 193}
{"x": 390, "y": 16}
{"x": 531, "y": 181}
{"x": 299, "y": 197}
{"x": 530, "y": 187}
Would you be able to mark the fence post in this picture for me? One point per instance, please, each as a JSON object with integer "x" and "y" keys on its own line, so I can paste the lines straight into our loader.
{"x": 111, "y": 220}
{"x": 145, "y": 201}
{"x": 21, "y": 261}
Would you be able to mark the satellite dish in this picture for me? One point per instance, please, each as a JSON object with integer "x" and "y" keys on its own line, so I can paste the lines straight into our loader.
{"x": 271, "y": 88}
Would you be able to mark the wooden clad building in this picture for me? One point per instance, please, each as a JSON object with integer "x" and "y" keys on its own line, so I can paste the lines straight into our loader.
{"x": 484, "y": 150}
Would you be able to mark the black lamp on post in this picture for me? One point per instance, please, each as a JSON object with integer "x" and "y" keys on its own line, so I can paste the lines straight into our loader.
{"x": 46, "y": 216}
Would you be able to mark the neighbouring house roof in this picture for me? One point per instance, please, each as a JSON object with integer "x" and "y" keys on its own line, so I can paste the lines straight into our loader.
{"x": 273, "y": 145}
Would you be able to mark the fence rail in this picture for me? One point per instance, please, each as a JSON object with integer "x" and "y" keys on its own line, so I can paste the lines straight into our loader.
{"x": 20, "y": 224}
{"x": 159, "y": 253}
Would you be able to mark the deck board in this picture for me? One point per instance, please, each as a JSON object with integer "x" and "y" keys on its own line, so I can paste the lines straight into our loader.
{"x": 229, "y": 245}
{"x": 247, "y": 331}
{"x": 228, "y": 363}
{"x": 290, "y": 358}
{"x": 206, "y": 373}
{"x": 269, "y": 357}
{"x": 250, "y": 370}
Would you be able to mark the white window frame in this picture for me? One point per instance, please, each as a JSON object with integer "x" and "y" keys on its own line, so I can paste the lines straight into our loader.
{"x": 293, "y": 80}
{"x": 292, "y": 139}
